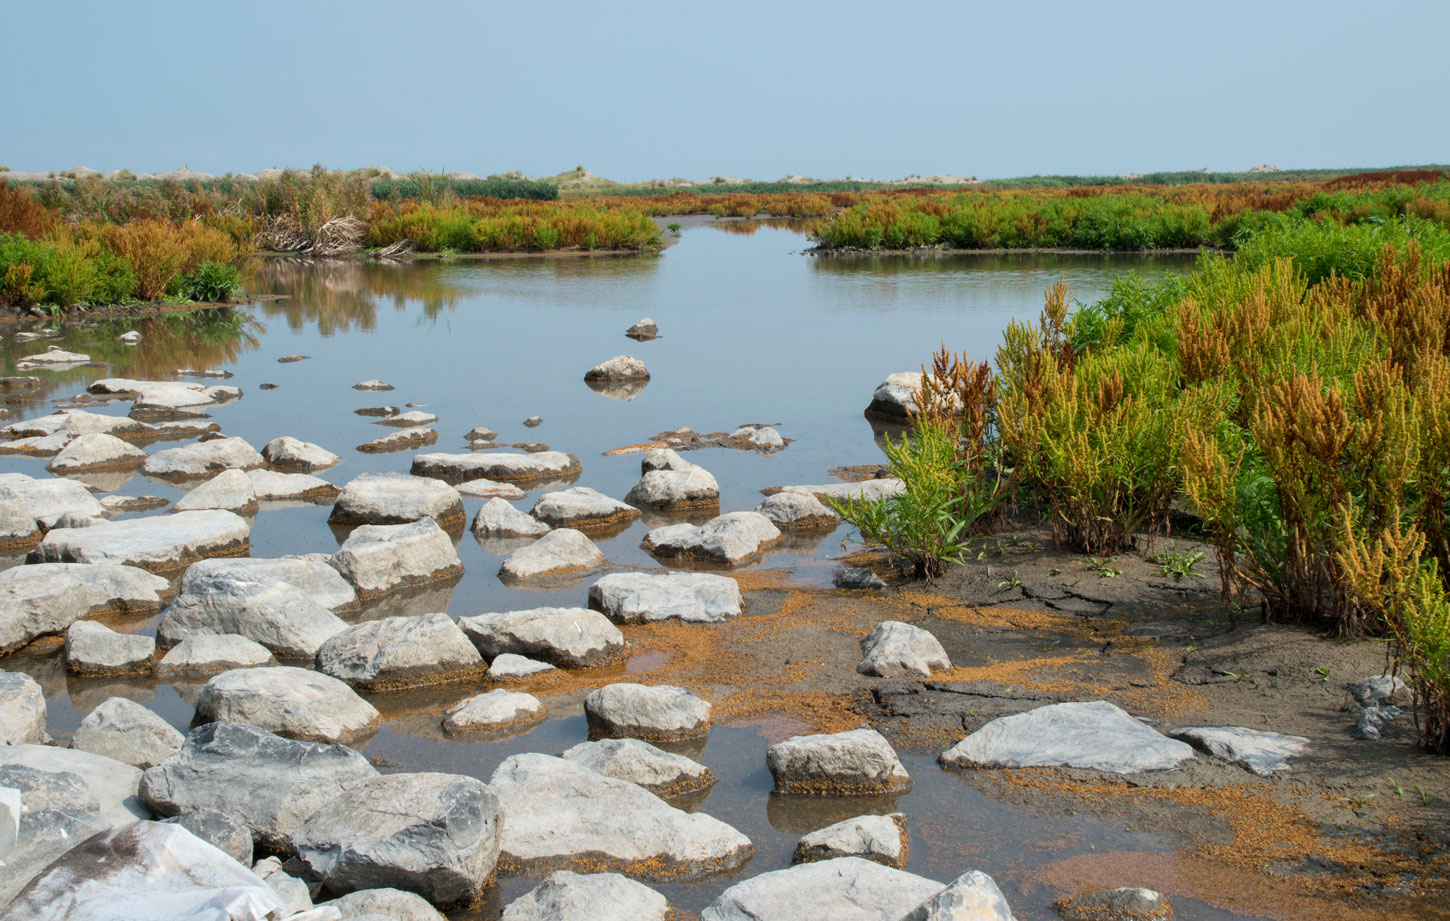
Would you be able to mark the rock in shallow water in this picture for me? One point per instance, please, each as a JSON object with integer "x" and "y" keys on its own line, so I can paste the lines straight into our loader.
{"x": 206, "y": 653}
{"x": 566, "y": 637}
{"x": 568, "y": 896}
{"x": 18, "y": 528}
{"x": 46, "y": 500}
{"x": 277, "y": 614}
{"x": 797, "y": 510}
{"x": 560, "y": 813}
{"x": 660, "y": 772}
{"x": 396, "y": 498}
{"x": 204, "y": 458}
{"x": 559, "y": 552}
{"x": 124, "y": 730}
{"x": 973, "y": 896}
{"x": 881, "y": 838}
{"x": 856, "y": 763}
{"x": 288, "y": 453}
{"x": 161, "y": 544}
{"x": 1123, "y": 904}
{"x": 618, "y": 368}
{"x": 294, "y": 702}
{"x": 583, "y": 509}
{"x": 895, "y": 397}
{"x": 1091, "y": 734}
{"x": 894, "y": 649}
{"x": 492, "y": 711}
{"x": 22, "y": 710}
{"x": 688, "y": 487}
{"x": 404, "y": 440}
{"x": 489, "y": 489}
{"x": 95, "y": 649}
{"x": 844, "y": 889}
{"x": 729, "y": 539}
{"x": 378, "y": 559}
{"x": 96, "y": 451}
{"x": 230, "y": 490}
{"x": 43, "y": 599}
{"x": 269, "y": 485}
{"x": 271, "y": 783}
{"x": 656, "y": 712}
{"x": 497, "y": 518}
{"x": 643, "y": 331}
{"x": 642, "y": 597}
{"x": 507, "y": 467}
{"x": 400, "y": 651}
{"x": 433, "y": 834}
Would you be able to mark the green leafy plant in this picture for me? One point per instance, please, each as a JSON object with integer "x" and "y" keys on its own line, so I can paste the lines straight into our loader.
{"x": 1178, "y": 564}
{"x": 211, "y": 282}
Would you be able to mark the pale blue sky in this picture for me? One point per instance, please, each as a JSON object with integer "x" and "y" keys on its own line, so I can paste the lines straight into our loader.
{"x": 635, "y": 90}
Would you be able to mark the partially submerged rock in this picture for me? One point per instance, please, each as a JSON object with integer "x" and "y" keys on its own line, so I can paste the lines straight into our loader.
{"x": 689, "y": 486}
{"x": 895, "y": 397}
{"x": 46, "y": 500}
{"x": 273, "y": 784}
{"x": 95, "y": 649}
{"x": 656, "y": 713}
{"x": 53, "y": 356}
{"x": 96, "y": 451}
{"x": 643, "y": 331}
{"x": 18, "y": 528}
{"x": 973, "y": 895}
{"x": 894, "y": 649}
{"x": 763, "y": 438}
{"x": 559, "y": 552}
{"x": 373, "y": 386}
{"x": 268, "y": 611}
{"x": 489, "y": 489}
{"x": 388, "y": 904}
{"x": 310, "y": 574}
{"x": 401, "y": 651}
{"x": 202, "y": 459}
{"x": 152, "y": 870}
{"x": 77, "y": 422}
{"x": 122, "y": 729}
{"x": 294, "y": 702}
{"x": 566, "y": 637}
{"x": 844, "y": 889}
{"x": 163, "y": 544}
{"x": 1090, "y": 734}
{"x": 881, "y": 838}
{"x": 728, "y": 540}
{"x": 492, "y": 711}
{"x": 509, "y": 467}
{"x": 856, "y": 763}
{"x": 797, "y": 510}
{"x": 644, "y": 597}
{"x": 410, "y": 419}
{"x": 618, "y": 368}
{"x": 269, "y": 485}
{"x": 512, "y": 665}
{"x": 497, "y": 518}
{"x": 660, "y": 772}
{"x": 583, "y": 509}
{"x": 1122, "y": 904}
{"x": 404, "y": 440}
{"x": 288, "y": 453}
{"x": 230, "y": 490}
{"x": 433, "y": 834}
{"x": 860, "y": 491}
{"x": 396, "y": 498}
{"x": 202, "y": 653}
{"x": 378, "y": 559}
{"x": 161, "y": 397}
{"x": 568, "y": 896}
{"x": 44, "y": 599}
{"x": 563, "y": 814}
{"x": 1252, "y": 749}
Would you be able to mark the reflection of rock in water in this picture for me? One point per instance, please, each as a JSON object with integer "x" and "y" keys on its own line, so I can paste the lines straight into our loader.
{"x": 428, "y": 599}
{"x": 880, "y": 428}
{"x": 103, "y": 480}
{"x": 618, "y": 390}
{"x": 88, "y": 693}
{"x": 797, "y": 814}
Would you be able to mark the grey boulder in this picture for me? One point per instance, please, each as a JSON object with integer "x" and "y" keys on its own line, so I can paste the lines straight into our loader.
{"x": 641, "y": 597}
{"x": 660, "y": 712}
{"x": 509, "y": 467}
{"x": 684, "y": 487}
{"x": 311, "y": 575}
{"x": 46, "y": 598}
{"x": 96, "y": 451}
{"x": 1122, "y": 904}
{"x": 293, "y": 702}
{"x": 288, "y": 453}
{"x": 562, "y": 814}
{"x": 22, "y": 710}
{"x": 400, "y": 651}
{"x": 881, "y": 838}
{"x": 396, "y": 498}
{"x": 1092, "y": 734}
{"x": 973, "y": 896}
{"x": 582, "y": 508}
{"x": 433, "y": 834}
{"x": 48, "y": 498}
{"x": 492, "y": 711}
{"x": 122, "y": 729}
{"x": 844, "y": 889}
{"x": 569, "y": 896}
{"x": 894, "y": 649}
{"x": 162, "y": 543}
{"x": 279, "y": 615}
{"x": 797, "y": 510}
{"x": 559, "y": 552}
{"x": 203, "y": 653}
{"x": 858, "y": 762}
{"x": 388, "y": 904}
{"x": 222, "y": 830}
{"x": 95, "y": 649}
{"x": 381, "y": 558}
{"x": 1252, "y": 749}
{"x": 731, "y": 539}
{"x": 497, "y": 518}
{"x": 203, "y": 458}
{"x": 565, "y": 637}
{"x": 660, "y": 772}
{"x": 230, "y": 490}
{"x": 895, "y": 398}
{"x": 270, "y": 783}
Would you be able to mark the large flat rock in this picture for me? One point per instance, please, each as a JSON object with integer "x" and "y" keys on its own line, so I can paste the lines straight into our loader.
{"x": 248, "y": 601}
{"x": 164, "y": 543}
{"x": 1255, "y": 750}
{"x": 96, "y": 451}
{"x": 557, "y": 553}
{"x": 730, "y": 540}
{"x": 44, "y": 599}
{"x": 49, "y": 498}
{"x": 310, "y": 574}
{"x": 844, "y": 889}
{"x": 1092, "y": 734}
{"x": 858, "y": 762}
{"x": 569, "y": 896}
{"x": 203, "y": 459}
{"x": 644, "y": 597}
{"x": 660, "y": 772}
{"x": 122, "y": 729}
{"x": 77, "y": 422}
{"x": 504, "y": 466}
{"x": 661, "y": 712}
{"x": 565, "y": 637}
{"x": 563, "y": 815}
{"x": 583, "y": 509}
{"x": 273, "y": 784}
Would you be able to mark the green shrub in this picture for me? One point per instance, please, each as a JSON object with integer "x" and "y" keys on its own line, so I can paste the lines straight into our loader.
{"x": 210, "y": 283}
{"x": 430, "y": 188}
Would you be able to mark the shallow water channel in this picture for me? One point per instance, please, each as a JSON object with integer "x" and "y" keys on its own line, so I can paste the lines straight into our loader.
{"x": 751, "y": 331}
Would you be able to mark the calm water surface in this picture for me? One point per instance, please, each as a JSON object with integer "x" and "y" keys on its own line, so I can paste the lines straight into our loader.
{"x": 752, "y": 331}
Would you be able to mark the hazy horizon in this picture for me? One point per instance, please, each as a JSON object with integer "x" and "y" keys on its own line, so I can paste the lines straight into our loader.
{"x": 649, "y": 91}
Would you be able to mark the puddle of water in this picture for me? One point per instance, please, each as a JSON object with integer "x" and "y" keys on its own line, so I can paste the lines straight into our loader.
{"x": 752, "y": 332}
